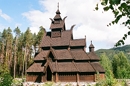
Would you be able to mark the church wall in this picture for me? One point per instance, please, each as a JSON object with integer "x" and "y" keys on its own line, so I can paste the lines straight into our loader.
{"x": 87, "y": 77}
{"x": 31, "y": 78}
{"x": 54, "y": 77}
{"x": 67, "y": 77}
{"x": 34, "y": 77}
{"x": 100, "y": 76}
{"x": 44, "y": 78}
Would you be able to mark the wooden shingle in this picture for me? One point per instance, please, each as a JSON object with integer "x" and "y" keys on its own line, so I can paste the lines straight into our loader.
{"x": 84, "y": 67}
{"x": 35, "y": 67}
{"x": 97, "y": 67}
{"x": 79, "y": 54}
{"x": 42, "y": 55}
{"x": 93, "y": 56}
{"x": 78, "y": 42}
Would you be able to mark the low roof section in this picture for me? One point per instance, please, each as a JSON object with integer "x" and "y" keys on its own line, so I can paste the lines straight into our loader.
{"x": 97, "y": 67}
{"x": 79, "y": 54}
{"x": 62, "y": 54}
{"x": 42, "y": 55}
{"x": 71, "y": 67}
{"x": 93, "y": 56}
{"x": 36, "y": 67}
{"x": 73, "y": 54}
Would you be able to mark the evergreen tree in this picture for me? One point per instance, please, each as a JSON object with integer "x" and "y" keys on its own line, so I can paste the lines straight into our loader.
{"x": 17, "y": 32}
{"x": 121, "y": 66}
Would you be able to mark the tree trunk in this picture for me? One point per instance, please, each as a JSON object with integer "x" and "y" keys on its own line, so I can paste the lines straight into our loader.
{"x": 15, "y": 50}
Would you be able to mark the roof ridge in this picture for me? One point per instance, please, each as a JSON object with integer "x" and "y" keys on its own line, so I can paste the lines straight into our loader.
{"x": 53, "y": 52}
{"x": 57, "y": 67}
{"x": 92, "y": 66}
{"x": 71, "y": 54}
{"x": 75, "y": 66}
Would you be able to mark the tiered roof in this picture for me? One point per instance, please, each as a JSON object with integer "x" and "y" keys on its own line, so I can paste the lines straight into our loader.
{"x": 62, "y": 53}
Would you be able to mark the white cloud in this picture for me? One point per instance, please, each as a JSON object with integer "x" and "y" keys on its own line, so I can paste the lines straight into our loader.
{"x": 88, "y": 22}
{"x": 18, "y": 24}
{"x": 5, "y": 16}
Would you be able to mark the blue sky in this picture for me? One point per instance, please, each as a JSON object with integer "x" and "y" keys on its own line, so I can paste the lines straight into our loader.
{"x": 89, "y": 23}
{"x": 13, "y": 10}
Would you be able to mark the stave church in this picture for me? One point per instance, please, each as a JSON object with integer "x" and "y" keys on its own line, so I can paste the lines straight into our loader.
{"x": 62, "y": 58}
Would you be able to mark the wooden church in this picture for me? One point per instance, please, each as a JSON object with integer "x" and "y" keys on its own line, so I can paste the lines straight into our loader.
{"x": 62, "y": 58}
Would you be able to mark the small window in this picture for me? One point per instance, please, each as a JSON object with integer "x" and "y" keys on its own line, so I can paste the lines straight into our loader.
{"x": 56, "y": 34}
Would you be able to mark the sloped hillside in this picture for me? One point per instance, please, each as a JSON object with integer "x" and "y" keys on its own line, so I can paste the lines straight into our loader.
{"x": 111, "y": 52}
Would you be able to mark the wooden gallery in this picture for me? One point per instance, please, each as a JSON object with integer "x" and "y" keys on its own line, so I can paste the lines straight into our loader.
{"x": 62, "y": 58}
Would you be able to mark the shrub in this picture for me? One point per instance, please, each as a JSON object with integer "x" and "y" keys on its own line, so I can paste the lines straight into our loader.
{"x": 6, "y": 80}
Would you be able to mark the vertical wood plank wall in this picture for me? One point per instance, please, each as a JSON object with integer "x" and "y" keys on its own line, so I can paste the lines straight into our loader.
{"x": 86, "y": 78}
{"x": 65, "y": 77}
{"x": 31, "y": 78}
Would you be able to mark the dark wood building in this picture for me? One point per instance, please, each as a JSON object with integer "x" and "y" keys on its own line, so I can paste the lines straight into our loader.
{"x": 62, "y": 58}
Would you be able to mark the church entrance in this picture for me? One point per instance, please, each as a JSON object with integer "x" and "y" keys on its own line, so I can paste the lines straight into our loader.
{"x": 49, "y": 74}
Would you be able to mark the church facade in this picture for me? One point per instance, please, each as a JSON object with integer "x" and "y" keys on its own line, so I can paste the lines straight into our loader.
{"x": 62, "y": 58}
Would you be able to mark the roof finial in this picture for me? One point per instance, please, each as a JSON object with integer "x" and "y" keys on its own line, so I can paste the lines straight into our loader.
{"x": 91, "y": 41}
{"x": 58, "y": 5}
{"x": 58, "y": 12}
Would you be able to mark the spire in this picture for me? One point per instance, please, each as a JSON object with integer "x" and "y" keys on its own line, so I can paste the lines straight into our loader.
{"x": 91, "y": 47}
{"x": 58, "y": 24}
{"x": 58, "y": 12}
{"x": 57, "y": 16}
{"x": 58, "y": 5}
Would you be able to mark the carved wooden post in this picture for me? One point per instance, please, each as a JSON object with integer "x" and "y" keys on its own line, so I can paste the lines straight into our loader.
{"x": 77, "y": 79}
{"x": 56, "y": 73}
{"x": 56, "y": 77}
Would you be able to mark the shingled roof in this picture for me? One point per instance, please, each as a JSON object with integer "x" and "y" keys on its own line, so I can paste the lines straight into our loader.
{"x": 78, "y": 42}
{"x": 97, "y": 67}
{"x": 35, "y": 67}
{"x": 93, "y": 56}
{"x": 64, "y": 40}
{"x": 59, "y": 24}
{"x": 76, "y": 67}
{"x": 62, "y": 54}
{"x": 84, "y": 67}
{"x": 57, "y": 16}
{"x": 79, "y": 54}
{"x": 41, "y": 56}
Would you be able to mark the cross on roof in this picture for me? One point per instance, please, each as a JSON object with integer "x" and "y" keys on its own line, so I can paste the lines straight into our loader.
{"x": 58, "y": 5}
